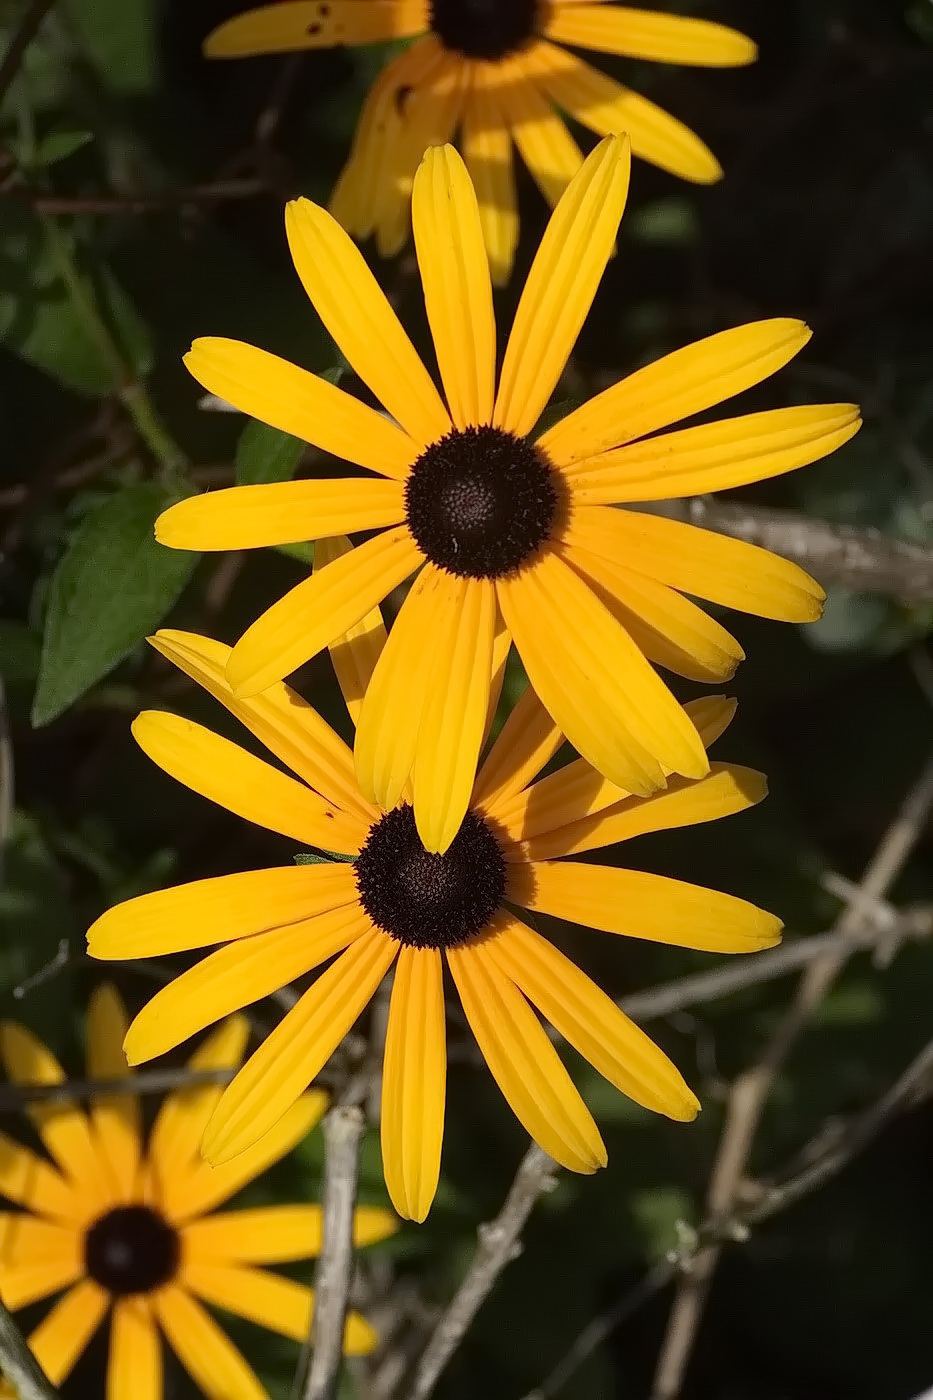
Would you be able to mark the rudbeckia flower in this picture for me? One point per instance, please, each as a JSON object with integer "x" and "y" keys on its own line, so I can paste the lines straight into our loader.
{"x": 505, "y": 527}
{"x": 133, "y": 1231}
{"x": 388, "y": 903}
{"x": 497, "y": 71}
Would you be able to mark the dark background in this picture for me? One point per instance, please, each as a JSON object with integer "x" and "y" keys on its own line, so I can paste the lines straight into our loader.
{"x": 826, "y": 213}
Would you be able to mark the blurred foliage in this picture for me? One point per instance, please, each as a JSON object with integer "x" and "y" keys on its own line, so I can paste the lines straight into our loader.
{"x": 108, "y": 270}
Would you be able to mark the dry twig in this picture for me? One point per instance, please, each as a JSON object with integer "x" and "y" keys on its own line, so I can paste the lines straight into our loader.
{"x": 18, "y": 1364}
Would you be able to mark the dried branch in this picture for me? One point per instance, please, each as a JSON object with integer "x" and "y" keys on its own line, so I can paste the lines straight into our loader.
{"x": 155, "y": 202}
{"x": 15, "y": 1097}
{"x": 18, "y": 1364}
{"x": 343, "y": 1136}
{"x": 498, "y": 1246}
{"x": 861, "y": 559}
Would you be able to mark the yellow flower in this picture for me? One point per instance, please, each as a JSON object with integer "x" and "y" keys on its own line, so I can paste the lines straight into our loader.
{"x": 490, "y": 69}
{"x": 398, "y": 905}
{"x": 130, "y": 1231}
{"x": 503, "y": 525}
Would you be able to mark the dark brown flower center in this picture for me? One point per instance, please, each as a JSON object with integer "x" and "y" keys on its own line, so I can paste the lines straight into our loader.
{"x": 480, "y": 502}
{"x": 131, "y": 1249}
{"x": 490, "y": 29}
{"x": 426, "y": 900}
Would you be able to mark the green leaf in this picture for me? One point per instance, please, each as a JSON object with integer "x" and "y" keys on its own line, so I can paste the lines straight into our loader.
{"x": 59, "y": 145}
{"x": 318, "y": 858}
{"x": 121, "y": 39}
{"x": 112, "y": 586}
{"x": 264, "y": 454}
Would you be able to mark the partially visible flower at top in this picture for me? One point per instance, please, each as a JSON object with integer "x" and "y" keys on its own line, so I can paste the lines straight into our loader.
{"x": 399, "y": 906}
{"x": 501, "y": 523}
{"x": 489, "y": 69}
{"x": 133, "y": 1231}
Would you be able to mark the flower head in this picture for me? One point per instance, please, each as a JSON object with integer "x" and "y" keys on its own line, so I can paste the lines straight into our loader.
{"x": 132, "y": 1230}
{"x": 497, "y": 72}
{"x": 391, "y": 903}
{"x": 511, "y": 532}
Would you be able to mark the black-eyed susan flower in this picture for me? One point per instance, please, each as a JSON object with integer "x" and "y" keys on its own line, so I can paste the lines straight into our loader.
{"x": 132, "y": 1230}
{"x": 497, "y": 72}
{"x": 505, "y": 528}
{"x": 391, "y": 904}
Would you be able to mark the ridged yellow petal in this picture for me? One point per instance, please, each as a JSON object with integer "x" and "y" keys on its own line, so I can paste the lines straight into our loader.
{"x": 279, "y": 1304}
{"x": 115, "y": 1117}
{"x": 644, "y": 906}
{"x": 238, "y": 975}
{"x": 528, "y": 740}
{"x": 600, "y": 103}
{"x": 715, "y": 456}
{"x": 64, "y": 1333}
{"x": 523, "y": 1061}
{"x": 457, "y": 288}
{"x": 280, "y": 718}
{"x": 301, "y": 1043}
{"x": 319, "y": 609}
{"x": 595, "y": 682}
{"x": 414, "y": 1082}
{"x": 675, "y": 387}
{"x": 722, "y": 570}
{"x": 591, "y": 1022}
{"x": 355, "y": 311}
{"x": 314, "y": 24}
{"x": 218, "y": 910}
{"x": 645, "y": 34}
{"x": 249, "y": 517}
{"x": 297, "y": 402}
{"x": 539, "y": 132}
{"x": 669, "y": 629}
{"x": 175, "y": 1139}
{"x": 456, "y": 701}
{"x": 276, "y": 1234}
{"x": 561, "y": 285}
{"x": 134, "y": 1369}
{"x": 353, "y": 653}
{"x": 487, "y": 150}
{"x": 205, "y": 1351}
{"x": 224, "y": 773}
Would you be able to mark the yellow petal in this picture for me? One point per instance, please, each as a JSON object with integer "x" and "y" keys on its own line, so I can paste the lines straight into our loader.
{"x": 23, "y": 1284}
{"x": 355, "y": 652}
{"x": 595, "y": 682}
{"x": 220, "y": 909}
{"x": 134, "y": 1371}
{"x": 280, "y": 718}
{"x": 36, "y": 1258}
{"x": 206, "y": 1353}
{"x": 297, "y": 402}
{"x": 591, "y": 1022}
{"x": 354, "y": 310}
{"x": 601, "y": 104}
{"x": 390, "y": 715}
{"x": 63, "y": 1127}
{"x": 301, "y": 1043}
{"x": 501, "y": 646}
{"x": 224, "y": 773}
{"x": 203, "y": 1187}
{"x": 715, "y": 456}
{"x": 237, "y": 975}
{"x": 457, "y": 288}
{"x": 685, "y": 802}
{"x": 668, "y": 628}
{"x": 280, "y": 1304}
{"x": 725, "y": 571}
{"x": 175, "y": 1139}
{"x": 319, "y": 609}
{"x": 62, "y": 1336}
{"x": 539, "y": 132}
{"x": 115, "y": 1116}
{"x": 414, "y": 1082}
{"x": 675, "y": 387}
{"x": 528, "y": 741}
{"x": 30, "y": 1181}
{"x": 577, "y": 791}
{"x": 561, "y": 285}
{"x": 523, "y": 1061}
{"x": 247, "y": 517}
{"x": 275, "y": 1234}
{"x": 314, "y": 24}
{"x": 645, "y": 34}
{"x": 456, "y": 700}
{"x": 487, "y": 150}
{"x": 644, "y": 906}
